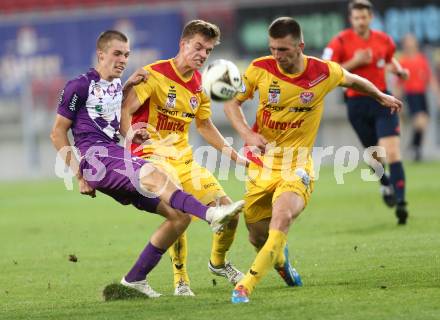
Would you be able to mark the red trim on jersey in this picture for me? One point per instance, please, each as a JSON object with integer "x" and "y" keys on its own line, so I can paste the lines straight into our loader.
{"x": 316, "y": 71}
{"x": 249, "y": 154}
{"x": 194, "y": 85}
{"x": 141, "y": 115}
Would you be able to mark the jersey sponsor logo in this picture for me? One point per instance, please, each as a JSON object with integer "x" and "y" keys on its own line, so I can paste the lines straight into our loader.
{"x": 188, "y": 115}
{"x": 73, "y": 101}
{"x": 171, "y": 98}
{"x": 273, "y": 108}
{"x": 306, "y": 97}
{"x": 167, "y": 112}
{"x": 209, "y": 185}
{"x": 279, "y": 125}
{"x": 164, "y": 123}
{"x": 300, "y": 109}
{"x": 193, "y": 102}
{"x": 61, "y": 97}
{"x": 320, "y": 78}
{"x": 98, "y": 108}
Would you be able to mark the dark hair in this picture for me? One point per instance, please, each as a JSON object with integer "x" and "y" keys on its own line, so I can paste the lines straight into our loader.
{"x": 360, "y": 5}
{"x": 284, "y": 26}
{"x": 204, "y": 28}
{"x": 107, "y": 36}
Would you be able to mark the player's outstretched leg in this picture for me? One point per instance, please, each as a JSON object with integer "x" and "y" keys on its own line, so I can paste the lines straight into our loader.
{"x": 160, "y": 241}
{"x": 155, "y": 181}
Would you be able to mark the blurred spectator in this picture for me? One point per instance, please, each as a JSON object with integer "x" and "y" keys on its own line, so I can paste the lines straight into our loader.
{"x": 414, "y": 90}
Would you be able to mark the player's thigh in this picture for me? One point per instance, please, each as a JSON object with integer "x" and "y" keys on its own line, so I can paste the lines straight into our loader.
{"x": 302, "y": 185}
{"x": 362, "y": 121}
{"x": 202, "y": 184}
{"x": 258, "y": 201}
{"x": 111, "y": 167}
{"x": 287, "y": 206}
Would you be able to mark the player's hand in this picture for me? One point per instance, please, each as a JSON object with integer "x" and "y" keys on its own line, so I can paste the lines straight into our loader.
{"x": 256, "y": 141}
{"x": 363, "y": 57}
{"x": 85, "y": 188}
{"x": 403, "y": 74}
{"x": 390, "y": 102}
{"x": 140, "y": 75}
{"x": 242, "y": 161}
{"x": 140, "y": 136}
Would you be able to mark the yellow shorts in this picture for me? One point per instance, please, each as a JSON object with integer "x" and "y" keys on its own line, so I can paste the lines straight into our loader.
{"x": 264, "y": 186}
{"x": 192, "y": 178}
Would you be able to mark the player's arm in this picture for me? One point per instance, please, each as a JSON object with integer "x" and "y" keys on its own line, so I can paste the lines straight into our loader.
{"x": 61, "y": 142}
{"x": 363, "y": 85}
{"x": 360, "y": 58}
{"x": 236, "y": 116}
{"x": 212, "y": 135}
{"x": 130, "y": 104}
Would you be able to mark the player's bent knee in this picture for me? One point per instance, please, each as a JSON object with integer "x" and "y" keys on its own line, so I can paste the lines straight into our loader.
{"x": 258, "y": 240}
{"x": 151, "y": 178}
{"x": 393, "y": 155}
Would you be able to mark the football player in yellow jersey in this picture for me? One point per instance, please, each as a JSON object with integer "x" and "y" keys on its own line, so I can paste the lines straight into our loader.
{"x": 292, "y": 87}
{"x": 163, "y": 109}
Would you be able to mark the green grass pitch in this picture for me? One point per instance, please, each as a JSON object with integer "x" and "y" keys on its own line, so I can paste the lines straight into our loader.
{"x": 356, "y": 263}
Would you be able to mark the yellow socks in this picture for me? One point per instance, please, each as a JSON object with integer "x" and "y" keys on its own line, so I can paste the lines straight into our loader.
{"x": 267, "y": 257}
{"x": 221, "y": 242}
{"x": 178, "y": 253}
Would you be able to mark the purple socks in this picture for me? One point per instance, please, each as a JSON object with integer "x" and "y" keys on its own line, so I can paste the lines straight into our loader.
{"x": 185, "y": 202}
{"x": 148, "y": 259}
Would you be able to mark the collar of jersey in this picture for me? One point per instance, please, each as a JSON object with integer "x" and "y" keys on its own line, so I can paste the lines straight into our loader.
{"x": 294, "y": 75}
{"x": 186, "y": 80}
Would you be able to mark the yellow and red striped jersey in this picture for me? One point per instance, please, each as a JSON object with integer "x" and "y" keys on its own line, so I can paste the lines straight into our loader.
{"x": 290, "y": 105}
{"x": 169, "y": 103}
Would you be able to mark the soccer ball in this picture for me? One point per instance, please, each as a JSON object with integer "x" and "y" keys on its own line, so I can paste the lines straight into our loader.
{"x": 221, "y": 80}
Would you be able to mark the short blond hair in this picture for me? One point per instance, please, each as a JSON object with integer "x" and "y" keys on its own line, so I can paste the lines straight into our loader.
{"x": 107, "y": 36}
{"x": 204, "y": 28}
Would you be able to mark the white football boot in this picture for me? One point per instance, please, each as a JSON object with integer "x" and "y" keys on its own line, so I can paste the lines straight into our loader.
{"x": 228, "y": 271}
{"x": 183, "y": 289}
{"x": 141, "y": 286}
{"x": 220, "y": 215}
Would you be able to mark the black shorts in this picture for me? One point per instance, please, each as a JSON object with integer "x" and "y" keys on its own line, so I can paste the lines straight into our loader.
{"x": 371, "y": 120}
{"x": 416, "y": 103}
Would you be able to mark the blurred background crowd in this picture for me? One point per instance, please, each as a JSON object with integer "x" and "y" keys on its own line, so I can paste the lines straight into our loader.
{"x": 46, "y": 42}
